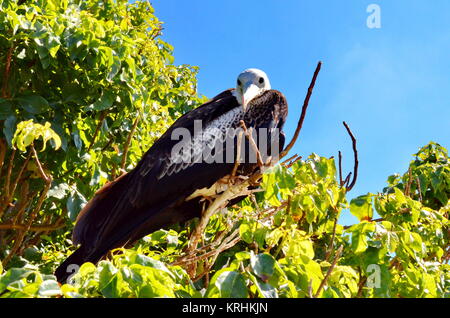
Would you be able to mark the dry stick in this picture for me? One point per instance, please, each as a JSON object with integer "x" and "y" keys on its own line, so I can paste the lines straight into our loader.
{"x": 216, "y": 254}
{"x": 238, "y": 154}
{"x": 36, "y": 228}
{"x": 248, "y": 134}
{"x": 218, "y": 203}
{"x": 341, "y": 182}
{"x": 355, "y": 152}
{"x": 97, "y": 129}
{"x": 290, "y": 164}
{"x": 303, "y": 114}
{"x": 196, "y": 258}
{"x": 347, "y": 180}
{"x": 286, "y": 162}
{"x": 127, "y": 145}
{"x": 324, "y": 281}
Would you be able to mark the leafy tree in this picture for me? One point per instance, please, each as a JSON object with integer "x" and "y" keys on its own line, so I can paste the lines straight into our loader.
{"x": 92, "y": 79}
{"x": 87, "y": 88}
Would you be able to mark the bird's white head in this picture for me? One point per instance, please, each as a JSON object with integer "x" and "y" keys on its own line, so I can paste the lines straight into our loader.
{"x": 250, "y": 84}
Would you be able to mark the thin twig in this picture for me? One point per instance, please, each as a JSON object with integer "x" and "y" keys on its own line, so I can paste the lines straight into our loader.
{"x": 127, "y": 144}
{"x": 35, "y": 228}
{"x": 330, "y": 249}
{"x": 21, "y": 234}
{"x": 355, "y": 152}
{"x": 419, "y": 189}
{"x": 19, "y": 175}
{"x": 324, "y": 281}
{"x": 341, "y": 182}
{"x": 303, "y": 114}
{"x": 408, "y": 184}
{"x": 361, "y": 284}
{"x": 285, "y": 162}
{"x": 238, "y": 154}
{"x": 44, "y": 176}
{"x": 97, "y": 129}
{"x": 249, "y": 135}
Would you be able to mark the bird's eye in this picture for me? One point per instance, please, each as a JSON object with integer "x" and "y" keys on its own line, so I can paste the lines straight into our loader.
{"x": 239, "y": 82}
{"x": 261, "y": 80}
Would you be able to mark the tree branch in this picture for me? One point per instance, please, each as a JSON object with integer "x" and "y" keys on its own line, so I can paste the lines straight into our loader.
{"x": 355, "y": 153}
{"x": 303, "y": 114}
{"x": 127, "y": 144}
{"x": 330, "y": 270}
{"x": 97, "y": 129}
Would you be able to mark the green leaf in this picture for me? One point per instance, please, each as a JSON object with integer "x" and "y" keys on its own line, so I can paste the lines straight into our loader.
{"x": 75, "y": 204}
{"x": 362, "y": 208}
{"x": 10, "y": 128}
{"x": 230, "y": 284}
{"x": 109, "y": 280}
{"x": 11, "y": 276}
{"x": 245, "y": 232}
{"x": 263, "y": 266}
{"x": 115, "y": 68}
{"x": 105, "y": 101}
{"x": 33, "y": 104}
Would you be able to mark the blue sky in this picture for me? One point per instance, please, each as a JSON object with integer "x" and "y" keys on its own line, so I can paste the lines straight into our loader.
{"x": 391, "y": 85}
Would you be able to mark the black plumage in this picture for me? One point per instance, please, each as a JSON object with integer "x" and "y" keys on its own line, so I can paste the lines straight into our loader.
{"x": 156, "y": 193}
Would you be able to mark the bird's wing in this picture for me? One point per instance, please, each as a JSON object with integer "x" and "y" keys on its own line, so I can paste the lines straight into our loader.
{"x": 125, "y": 201}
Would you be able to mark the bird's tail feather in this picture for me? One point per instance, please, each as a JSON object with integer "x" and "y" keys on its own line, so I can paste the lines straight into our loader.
{"x": 72, "y": 264}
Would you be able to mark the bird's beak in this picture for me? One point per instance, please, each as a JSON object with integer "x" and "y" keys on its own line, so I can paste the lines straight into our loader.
{"x": 249, "y": 92}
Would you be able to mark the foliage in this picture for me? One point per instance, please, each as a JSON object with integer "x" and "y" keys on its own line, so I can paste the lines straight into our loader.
{"x": 290, "y": 246}
{"x": 95, "y": 82}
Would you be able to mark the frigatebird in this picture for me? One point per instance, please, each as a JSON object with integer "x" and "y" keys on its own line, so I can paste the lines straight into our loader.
{"x": 171, "y": 181}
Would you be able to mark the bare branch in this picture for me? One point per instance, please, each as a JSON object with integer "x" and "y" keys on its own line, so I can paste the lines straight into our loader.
{"x": 330, "y": 249}
{"x": 18, "y": 240}
{"x": 127, "y": 144}
{"x": 47, "y": 179}
{"x": 248, "y": 134}
{"x": 303, "y": 114}
{"x": 355, "y": 152}
{"x": 97, "y": 129}
{"x": 330, "y": 270}
{"x": 419, "y": 189}
{"x": 238, "y": 154}
{"x": 35, "y": 228}
{"x": 19, "y": 175}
